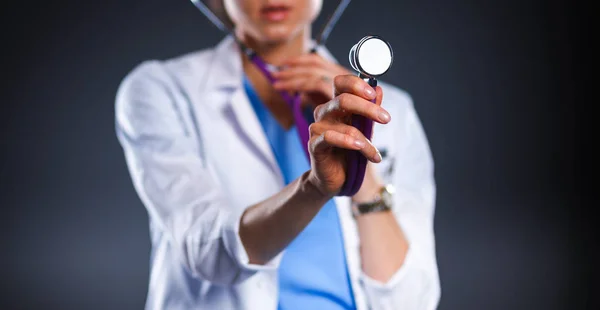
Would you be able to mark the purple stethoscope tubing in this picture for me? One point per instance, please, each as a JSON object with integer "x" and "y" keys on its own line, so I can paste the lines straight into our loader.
{"x": 295, "y": 103}
{"x": 356, "y": 161}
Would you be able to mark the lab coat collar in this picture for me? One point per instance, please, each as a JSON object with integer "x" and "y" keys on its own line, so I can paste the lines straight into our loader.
{"x": 226, "y": 69}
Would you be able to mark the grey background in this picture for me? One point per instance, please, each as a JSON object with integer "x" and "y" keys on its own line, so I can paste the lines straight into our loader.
{"x": 499, "y": 85}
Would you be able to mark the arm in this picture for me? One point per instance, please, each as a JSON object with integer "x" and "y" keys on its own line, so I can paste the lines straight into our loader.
{"x": 184, "y": 200}
{"x": 215, "y": 241}
{"x": 383, "y": 244}
{"x": 268, "y": 227}
{"x": 398, "y": 247}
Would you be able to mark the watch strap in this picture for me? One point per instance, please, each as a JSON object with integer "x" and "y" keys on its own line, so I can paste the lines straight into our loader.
{"x": 379, "y": 204}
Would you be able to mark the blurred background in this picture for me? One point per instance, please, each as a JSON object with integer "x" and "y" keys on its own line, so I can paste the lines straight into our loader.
{"x": 501, "y": 88}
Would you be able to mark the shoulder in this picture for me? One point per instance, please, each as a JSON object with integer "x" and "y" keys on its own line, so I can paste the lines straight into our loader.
{"x": 148, "y": 94}
{"x": 165, "y": 71}
{"x": 159, "y": 78}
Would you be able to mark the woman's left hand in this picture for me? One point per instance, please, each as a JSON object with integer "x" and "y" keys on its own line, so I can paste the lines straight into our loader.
{"x": 309, "y": 74}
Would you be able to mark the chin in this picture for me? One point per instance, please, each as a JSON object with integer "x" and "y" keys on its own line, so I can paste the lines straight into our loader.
{"x": 278, "y": 33}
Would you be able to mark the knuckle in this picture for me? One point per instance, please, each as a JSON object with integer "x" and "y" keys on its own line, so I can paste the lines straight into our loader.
{"x": 348, "y": 139}
{"x": 329, "y": 136}
{"x": 339, "y": 80}
{"x": 314, "y": 142}
{"x": 312, "y": 129}
{"x": 315, "y": 129}
{"x": 373, "y": 109}
{"x": 354, "y": 132}
{"x": 325, "y": 109}
{"x": 358, "y": 84}
{"x": 312, "y": 145}
{"x": 317, "y": 112}
{"x": 329, "y": 107}
{"x": 344, "y": 100}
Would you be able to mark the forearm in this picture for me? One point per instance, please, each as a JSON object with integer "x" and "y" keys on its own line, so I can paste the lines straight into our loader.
{"x": 269, "y": 226}
{"x": 383, "y": 245}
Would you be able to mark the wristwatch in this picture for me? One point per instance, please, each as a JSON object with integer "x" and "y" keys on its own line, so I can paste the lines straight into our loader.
{"x": 382, "y": 202}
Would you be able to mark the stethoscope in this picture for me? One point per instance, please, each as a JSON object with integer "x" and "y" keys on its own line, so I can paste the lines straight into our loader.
{"x": 372, "y": 56}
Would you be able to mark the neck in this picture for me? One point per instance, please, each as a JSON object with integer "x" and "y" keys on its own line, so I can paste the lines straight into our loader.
{"x": 276, "y": 53}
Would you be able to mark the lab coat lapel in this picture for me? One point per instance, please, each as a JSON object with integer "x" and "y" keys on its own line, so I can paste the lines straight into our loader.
{"x": 252, "y": 130}
{"x": 351, "y": 246}
{"x": 225, "y": 74}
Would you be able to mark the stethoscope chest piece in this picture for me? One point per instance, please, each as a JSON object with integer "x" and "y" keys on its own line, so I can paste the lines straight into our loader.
{"x": 372, "y": 56}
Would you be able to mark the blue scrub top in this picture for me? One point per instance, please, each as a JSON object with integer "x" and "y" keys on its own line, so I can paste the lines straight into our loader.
{"x": 313, "y": 272}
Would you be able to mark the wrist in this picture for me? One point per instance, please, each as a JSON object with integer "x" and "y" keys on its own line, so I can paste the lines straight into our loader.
{"x": 310, "y": 189}
{"x": 368, "y": 193}
{"x": 381, "y": 201}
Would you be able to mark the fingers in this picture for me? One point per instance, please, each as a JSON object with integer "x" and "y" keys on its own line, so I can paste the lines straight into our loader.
{"x": 308, "y": 73}
{"x": 307, "y": 84}
{"x": 310, "y": 59}
{"x": 347, "y": 104}
{"x": 327, "y": 135}
{"x": 305, "y": 79}
{"x": 352, "y": 84}
{"x": 305, "y": 71}
{"x": 309, "y": 65}
{"x": 316, "y": 61}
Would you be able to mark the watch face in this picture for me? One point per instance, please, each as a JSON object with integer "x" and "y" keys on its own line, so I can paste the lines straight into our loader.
{"x": 387, "y": 195}
{"x": 387, "y": 199}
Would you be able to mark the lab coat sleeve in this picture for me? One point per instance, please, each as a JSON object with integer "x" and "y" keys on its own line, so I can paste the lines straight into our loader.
{"x": 416, "y": 284}
{"x": 173, "y": 183}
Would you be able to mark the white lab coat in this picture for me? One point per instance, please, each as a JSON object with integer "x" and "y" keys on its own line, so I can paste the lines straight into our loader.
{"x": 198, "y": 157}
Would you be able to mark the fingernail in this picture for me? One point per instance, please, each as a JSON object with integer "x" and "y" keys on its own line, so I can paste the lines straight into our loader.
{"x": 377, "y": 157}
{"x": 370, "y": 92}
{"x": 359, "y": 143}
{"x": 384, "y": 116}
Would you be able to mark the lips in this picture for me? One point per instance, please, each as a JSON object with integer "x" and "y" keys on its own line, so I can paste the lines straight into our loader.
{"x": 275, "y": 13}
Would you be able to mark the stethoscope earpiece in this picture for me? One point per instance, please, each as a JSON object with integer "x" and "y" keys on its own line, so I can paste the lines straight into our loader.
{"x": 371, "y": 57}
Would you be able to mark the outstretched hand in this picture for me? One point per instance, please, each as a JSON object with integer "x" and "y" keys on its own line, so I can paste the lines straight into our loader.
{"x": 332, "y": 134}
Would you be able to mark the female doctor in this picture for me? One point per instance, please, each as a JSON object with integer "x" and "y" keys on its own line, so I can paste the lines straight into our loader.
{"x": 239, "y": 218}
